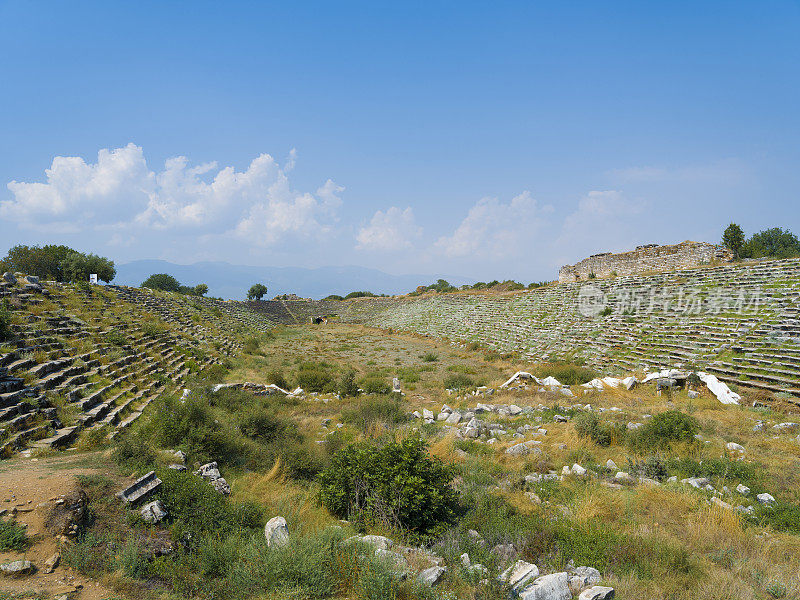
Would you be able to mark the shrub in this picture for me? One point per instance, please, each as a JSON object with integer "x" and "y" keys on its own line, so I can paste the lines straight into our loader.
{"x": 347, "y": 386}
{"x": 781, "y": 516}
{"x": 588, "y": 425}
{"x": 116, "y": 338}
{"x": 315, "y": 378}
{"x": 275, "y": 377}
{"x": 12, "y": 536}
{"x": 251, "y": 345}
{"x": 653, "y": 467}
{"x": 724, "y": 468}
{"x": 458, "y": 381}
{"x": 567, "y": 373}
{"x": 133, "y": 451}
{"x": 257, "y": 424}
{"x": 429, "y": 357}
{"x": 193, "y": 505}
{"x": 375, "y": 385}
{"x": 672, "y": 425}
{"x": 5, "y": 322}
{"x": 399, "y": 485}
{"x": 375, "y": 410}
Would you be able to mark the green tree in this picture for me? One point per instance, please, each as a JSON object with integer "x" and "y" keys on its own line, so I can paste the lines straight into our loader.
{"x": 201, "y": 289}
{"x": 442, "y": 286}
{"x": 162, "y": 281}
{"x": 733, "y": 239}
{"x": 257, "y": 291}
{"x": 42, "y": 261}
{"x": 772, "y": 243}
{"x": 77, "y": 266}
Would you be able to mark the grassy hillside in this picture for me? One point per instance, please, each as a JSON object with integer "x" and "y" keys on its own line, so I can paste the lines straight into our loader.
{"x": 658, "y": 493}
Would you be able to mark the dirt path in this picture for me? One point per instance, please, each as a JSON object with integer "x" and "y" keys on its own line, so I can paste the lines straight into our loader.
{"x": 25, "y": 484}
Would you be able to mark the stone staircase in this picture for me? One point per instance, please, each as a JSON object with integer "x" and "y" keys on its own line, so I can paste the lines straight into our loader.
{"x": 85, "y": 358}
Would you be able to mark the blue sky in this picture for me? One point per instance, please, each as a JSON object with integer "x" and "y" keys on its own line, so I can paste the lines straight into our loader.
{"x": 488, "y": 140}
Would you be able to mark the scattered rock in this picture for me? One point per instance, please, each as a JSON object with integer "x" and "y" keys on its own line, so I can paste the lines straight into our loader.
{"x": 597, "y": 592}
{"x": 379, "y": 542}
{"x": 765, "y": 499}
{"x": 504, "y": 553}
{"x": 153, "y": 512}
{"x": 519, "y": 575}
{"x": 17, "y": 568}
{"x": 743, "y": 489}
{"x": 276, "y": 532}
{"x": 550, "y": 587}
{"x": 734, "y": 447}
{"x": 431, "y": 576}
{"x": 51, "y": 563}
{"x": 611, "y": 465}
{"x": 583, "y": 577}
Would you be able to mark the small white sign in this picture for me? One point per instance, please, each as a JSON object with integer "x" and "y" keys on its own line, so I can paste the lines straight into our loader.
{"x": 93, "y": 278}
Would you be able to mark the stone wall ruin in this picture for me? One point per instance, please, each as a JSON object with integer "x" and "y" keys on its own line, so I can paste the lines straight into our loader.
{"x": 645, "y": 259}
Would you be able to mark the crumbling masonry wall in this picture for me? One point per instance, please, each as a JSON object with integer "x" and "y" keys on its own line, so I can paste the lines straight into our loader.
{"x": 645, "y": 259}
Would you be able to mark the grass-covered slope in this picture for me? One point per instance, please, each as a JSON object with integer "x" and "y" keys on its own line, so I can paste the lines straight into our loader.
{"x": 83, "y": 361}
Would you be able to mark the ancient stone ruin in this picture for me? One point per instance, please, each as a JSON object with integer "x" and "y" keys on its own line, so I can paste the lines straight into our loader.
{"x": 645, "y": 259}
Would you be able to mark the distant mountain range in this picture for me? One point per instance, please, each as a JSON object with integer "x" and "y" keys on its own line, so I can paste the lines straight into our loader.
{"x": 232, "y": 281}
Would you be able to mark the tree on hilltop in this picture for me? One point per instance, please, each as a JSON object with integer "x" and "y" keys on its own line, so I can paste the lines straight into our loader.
{"x": 77, "y": 266}
{"x": 162, "y": 281}
{"x": 201, "y": 289}
{"x": 58, "y": 262}
{"x": 733, "y": 239}
{"x": 772, "y": 243}
{"x": 257, "y": 291}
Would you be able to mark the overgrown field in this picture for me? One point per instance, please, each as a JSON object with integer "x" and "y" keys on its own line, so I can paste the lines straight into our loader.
{"x": 348, "y": 457}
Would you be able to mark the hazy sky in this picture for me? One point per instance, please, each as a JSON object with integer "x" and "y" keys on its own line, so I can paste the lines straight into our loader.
{"x": 488, "y": 140}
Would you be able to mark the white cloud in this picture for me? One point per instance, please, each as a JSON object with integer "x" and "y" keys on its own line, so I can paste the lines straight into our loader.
{"x": 389, "y": 231}
{"x": 78, "y": 195}
{"x": 119, "y": 190}
{"x": 494, "y": 229}
{"x": 284, "y": 212}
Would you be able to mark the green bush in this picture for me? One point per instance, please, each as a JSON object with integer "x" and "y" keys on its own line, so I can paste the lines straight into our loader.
{"x": 12, "y": 536}
{"x": 399, "y": 485}
{"x": 653, "y": 467}
{"x": 429, "y": 357}
{"x": 724, "y": 468}
{"x": 251, "y": 345}
{"x": 458, "y": 381}
{"x": 661, "y": 430}
{"x": 275, "y": 377}
{"x": 314, "y": 377}
{"x": 134, "y": 451}
{"x": 781, "y": 516}
{"x": 257, "y": 424}
{"x": 588, "y": 425}
{"x": 194, "y": 507}
{"x": 347, "y": 386}
{"x": 375, "y": 385}
{"x": 566, "y": 372}
{"x": 5, "y": 321}
{"x": 375, "y": 410}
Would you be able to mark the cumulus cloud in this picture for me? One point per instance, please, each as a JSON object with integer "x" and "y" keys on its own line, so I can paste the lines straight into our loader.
{"x": 388, "y": 231}
{"x": 78, "y": 195}
{"x": 258, "y": 204}
{"x": 495, "y": 229}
